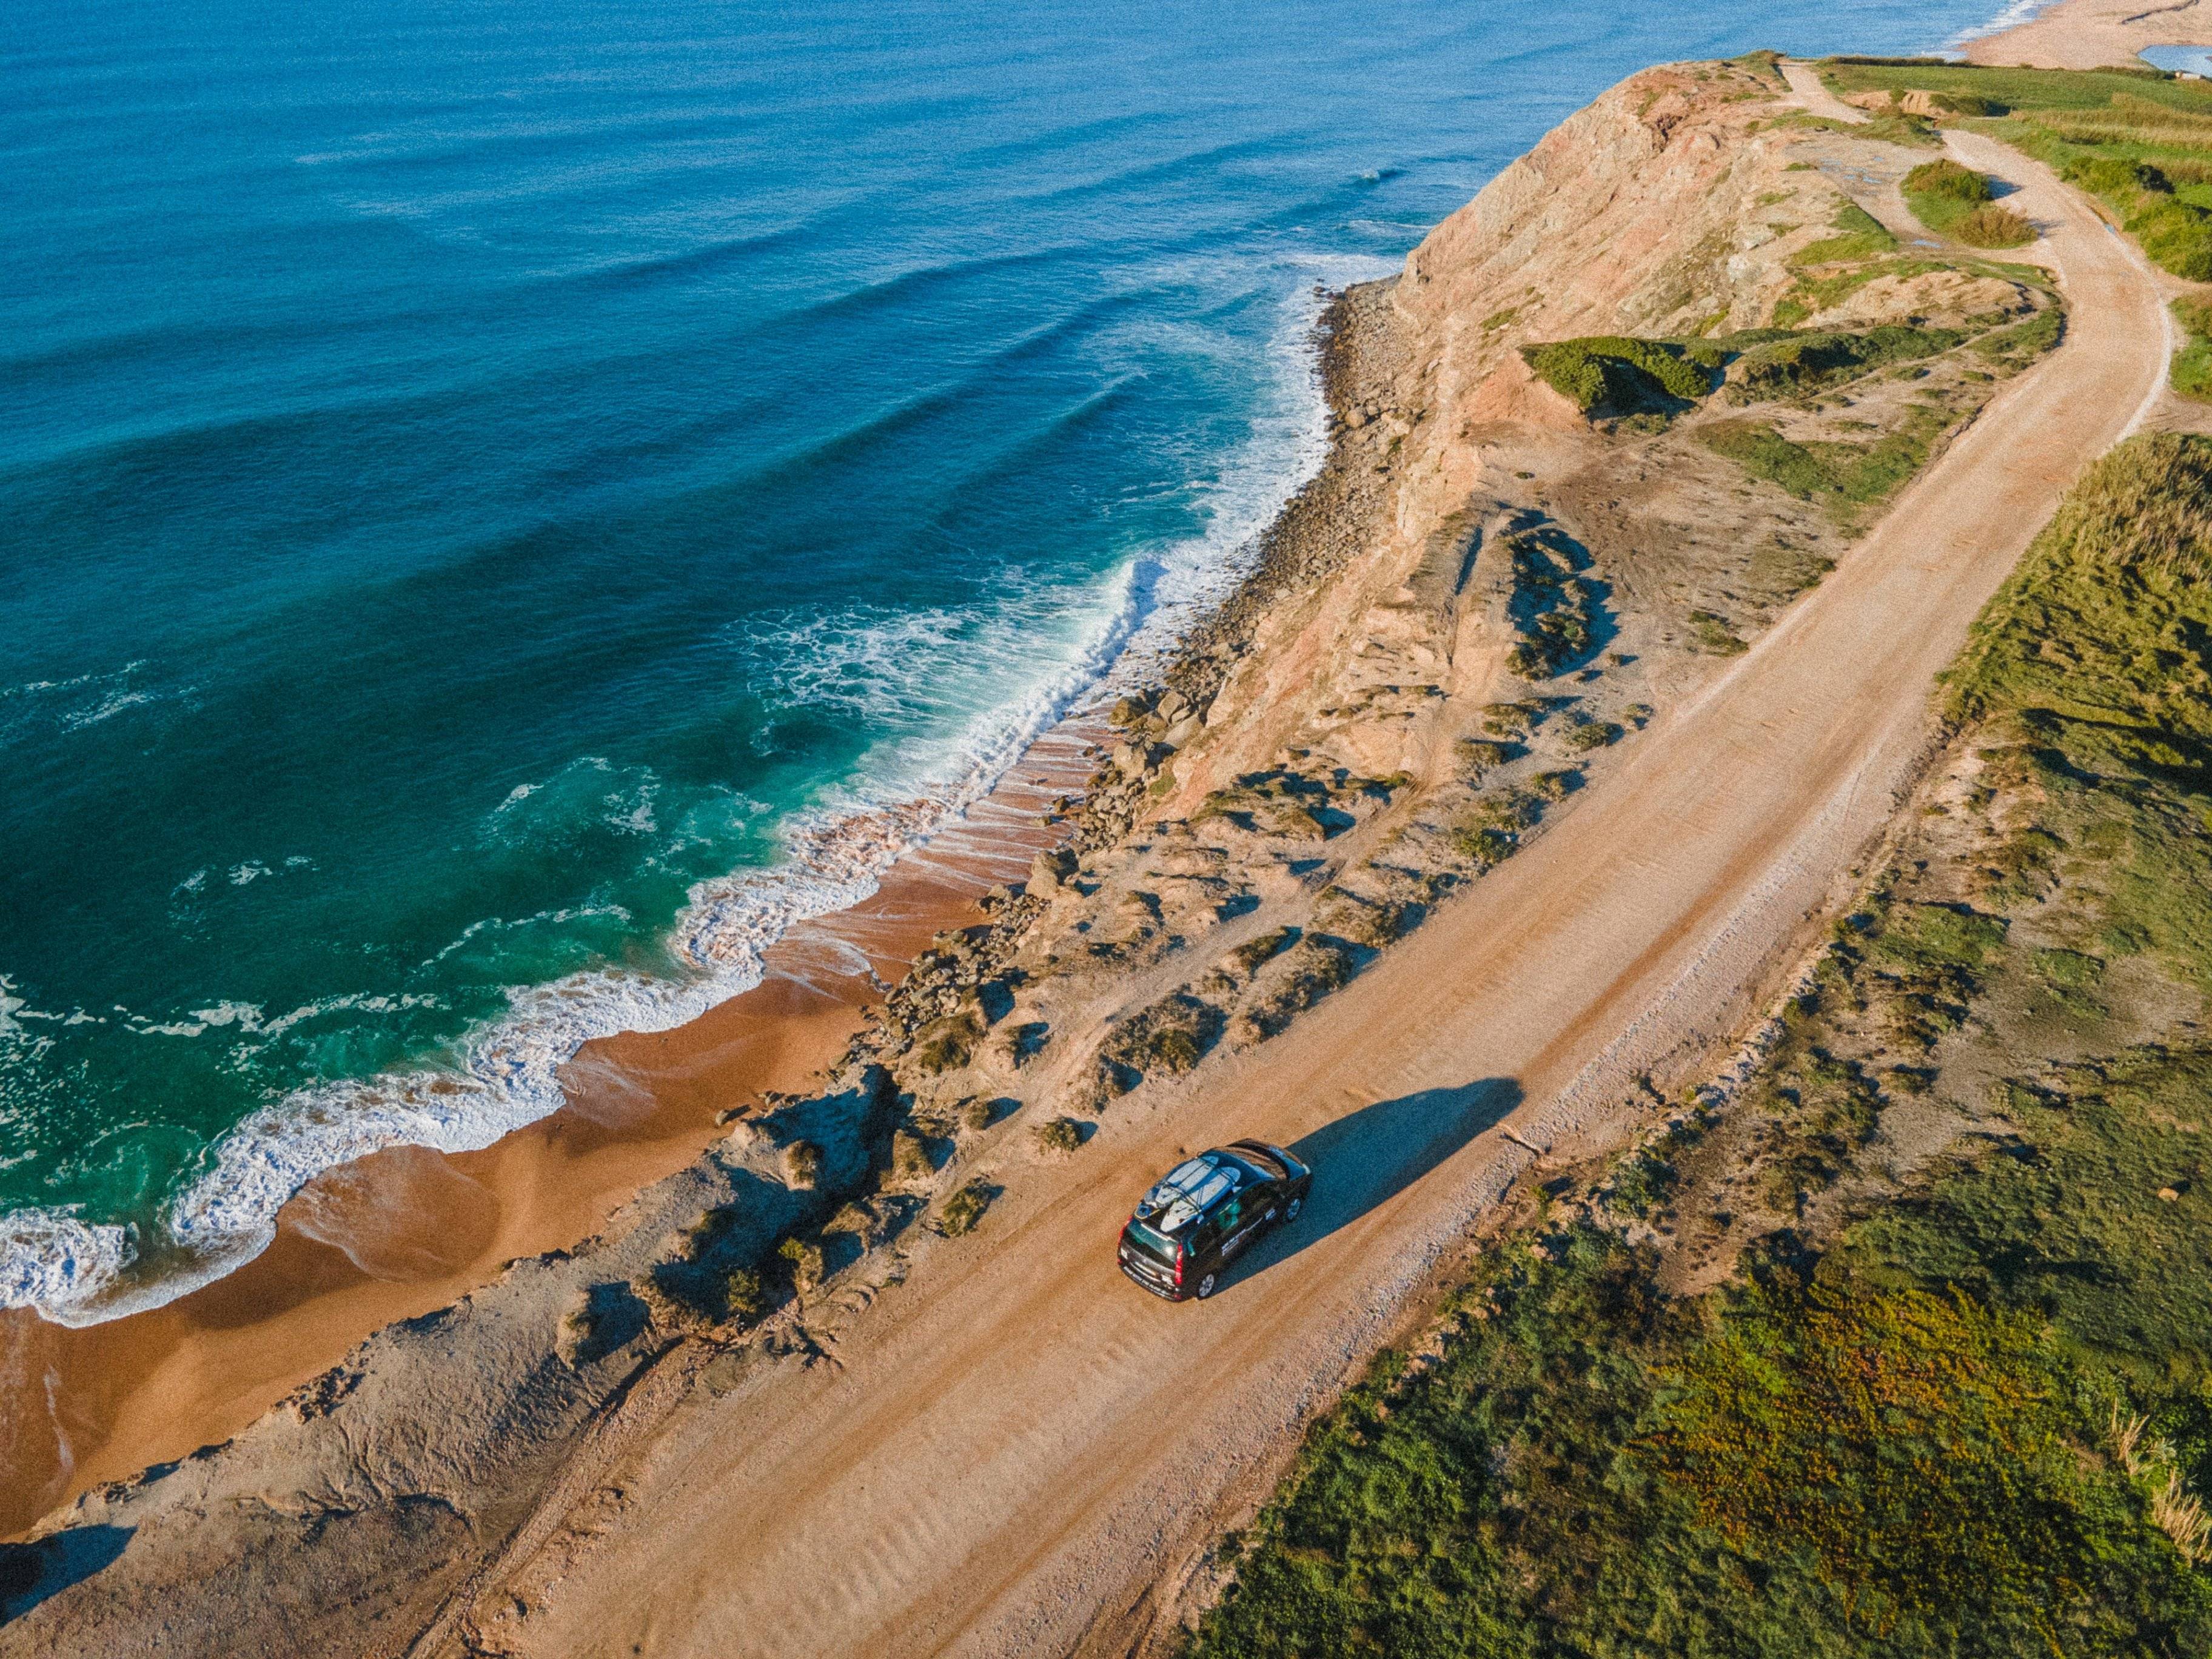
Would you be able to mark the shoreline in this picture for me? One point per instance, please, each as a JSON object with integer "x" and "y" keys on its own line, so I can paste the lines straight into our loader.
{"x": 2092, "y": 34}
{"x": 408, "y": 1230}
{"x": 641, "y": 1106}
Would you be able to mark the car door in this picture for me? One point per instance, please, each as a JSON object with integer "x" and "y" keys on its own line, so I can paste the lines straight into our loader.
{"x": 1254, "y": 1205}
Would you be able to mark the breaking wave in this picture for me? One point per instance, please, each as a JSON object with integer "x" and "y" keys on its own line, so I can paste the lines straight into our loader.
{"x": 505, "y": 1075}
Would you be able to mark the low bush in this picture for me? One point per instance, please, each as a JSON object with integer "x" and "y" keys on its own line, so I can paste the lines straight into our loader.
{"x": 1062, "y": 1135}
{"x": 1253, "y": 954}
{"x": 2115, "y": 176}
{"x": 1171, "y": 1035}
{"x": 681, "y": 1297}
{"x": 1480, "y": 755}
{"x": 1947, "y": 177}
{"x": 802, "y": 1165}
{"x": 1595, "y": 734}
{"x": 744, "y": 1298}
{"x": 1619, "y": 373}
{"x": 1843, "y": 477}
{"x": 580, "y": 1323}
{"x": 1308, "y": 971}
{"x": 910, "y": 1158}
{"x": 1859, "y": 236}
{"x": 947, "y": 1044}
{"x": 960, "y": 1212}
{"x": 1991, "y": 226}
{"x": 806, "y": 1260}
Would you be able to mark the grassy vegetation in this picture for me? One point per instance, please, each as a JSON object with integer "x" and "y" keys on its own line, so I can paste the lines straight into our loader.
{"x": 1714, "y": 637}
{"x": 1799, "y": 363}
{"x": 2141, "y": 142}
{"x": 1972, "y": 1418}
{"x": 1619, "y": 373}
{"x": 1062, "y": 1135}
{"x": 1170, "y": 1036}
{"x": 1846, "y": 478}
{"x": 2192, "y": 374}
{"x": 1955, "y": 201}
{"x": 1859, "y": 236}
{"x": 962, "y": 1208}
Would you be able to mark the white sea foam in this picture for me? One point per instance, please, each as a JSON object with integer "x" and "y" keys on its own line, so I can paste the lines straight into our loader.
{"x": 2014, "y": 15}
{"x": 506, "y": 1074}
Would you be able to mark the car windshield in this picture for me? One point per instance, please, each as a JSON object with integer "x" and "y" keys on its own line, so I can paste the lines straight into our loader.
{"x": 1260, "y": 1163}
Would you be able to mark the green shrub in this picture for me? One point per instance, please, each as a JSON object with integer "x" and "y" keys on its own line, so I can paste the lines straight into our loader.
{"x": 1062, "y": 1135}
{"x": 1311, "y": 970}
{"x": 1171, "y": 1035}
{"x": 1843, "y": 477}
{"x": 2113, "y": 176}
{"x": 1994, "y": 226}
{"x": 802, "y": 1165}
{"x": 910, "y": 1158}
{"x": 1619, "y": 373}
{"x": 1966, "y": 104}
{"x": 1947, "y": 177}
{"x": 1596, "y": 734}
{"x": 743, "y": 1300}
{"x": 1480, "y": 755}
{"x": 961, "y": 1211}
{"x": 1253, "y": 954}
{"x": 808, "y": 1264}
{"x": 947, "y": 1044}
{"x": 1714, "y": 635}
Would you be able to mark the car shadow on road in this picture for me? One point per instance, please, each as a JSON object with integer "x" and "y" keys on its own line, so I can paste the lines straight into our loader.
{"x": 1366, "y": 1158}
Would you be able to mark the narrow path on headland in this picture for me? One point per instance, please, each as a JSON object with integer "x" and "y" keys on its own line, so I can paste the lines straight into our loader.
{"x": 1009, "y": 1453}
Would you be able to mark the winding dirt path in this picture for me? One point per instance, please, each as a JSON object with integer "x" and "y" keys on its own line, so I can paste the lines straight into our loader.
{"x": 1011, "y": 1451}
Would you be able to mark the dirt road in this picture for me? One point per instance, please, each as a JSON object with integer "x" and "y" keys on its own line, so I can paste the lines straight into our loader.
{"x": 1011, "y": 1449}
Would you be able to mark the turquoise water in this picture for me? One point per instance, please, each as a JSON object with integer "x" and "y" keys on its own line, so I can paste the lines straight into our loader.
{"x": 488, "y": 492}
{"x": 2186, "y": 60}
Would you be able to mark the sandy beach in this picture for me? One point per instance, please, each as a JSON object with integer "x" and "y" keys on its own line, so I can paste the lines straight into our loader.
{"x": 2096, "y": 34}
{"x": 399, "y": 1234}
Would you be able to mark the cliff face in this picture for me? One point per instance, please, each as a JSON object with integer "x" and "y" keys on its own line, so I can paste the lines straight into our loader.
{"x": 1687, "y": 201}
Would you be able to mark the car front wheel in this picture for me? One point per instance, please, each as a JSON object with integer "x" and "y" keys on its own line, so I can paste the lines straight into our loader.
{"x": 1290, "y": 1210}
{"x": 1205, "y": 1288}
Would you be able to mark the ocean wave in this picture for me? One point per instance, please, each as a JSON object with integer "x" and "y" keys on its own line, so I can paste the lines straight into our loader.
{"x": 506, "y": 1074}
{"x": 79, "y": 701}
{"x": 2014, "y": 14}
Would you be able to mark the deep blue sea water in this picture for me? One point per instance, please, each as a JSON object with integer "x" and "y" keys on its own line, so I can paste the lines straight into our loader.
{"x": 487, "y": 488}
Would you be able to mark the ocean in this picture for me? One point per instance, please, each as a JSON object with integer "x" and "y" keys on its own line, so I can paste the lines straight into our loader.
{"x": 490, "y": 493}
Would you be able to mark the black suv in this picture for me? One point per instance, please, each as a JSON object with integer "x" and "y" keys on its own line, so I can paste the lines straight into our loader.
{"x": 1204, "y": 1210}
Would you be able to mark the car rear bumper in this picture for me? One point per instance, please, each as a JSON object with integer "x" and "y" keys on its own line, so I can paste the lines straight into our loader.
{"x": 1165, "y": 1291}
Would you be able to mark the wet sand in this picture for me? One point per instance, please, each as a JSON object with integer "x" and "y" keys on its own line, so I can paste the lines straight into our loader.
{"x": 408, "y": 1229}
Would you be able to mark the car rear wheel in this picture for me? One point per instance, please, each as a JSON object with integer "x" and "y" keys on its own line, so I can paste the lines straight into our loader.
{"x": 1205, "y": 1288}
{"x": 1290, "y": 1210}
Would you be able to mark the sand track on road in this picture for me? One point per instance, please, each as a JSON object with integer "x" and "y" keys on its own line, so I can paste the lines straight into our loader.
{"x": 1007, "y": 1453}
